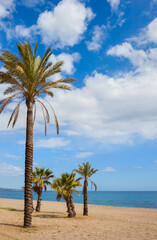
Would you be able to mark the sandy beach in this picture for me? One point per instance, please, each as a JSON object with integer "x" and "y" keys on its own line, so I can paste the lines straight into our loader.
{"x": 103, "y": 222}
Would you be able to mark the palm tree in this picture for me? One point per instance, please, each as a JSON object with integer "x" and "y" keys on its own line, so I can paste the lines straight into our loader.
{"x": 64, "y": 186}
{"x": 29, "y": 80}
{"x": 86, "y": 172}
{"x": 41, "y": 180}
{"x": 23, "y": 189}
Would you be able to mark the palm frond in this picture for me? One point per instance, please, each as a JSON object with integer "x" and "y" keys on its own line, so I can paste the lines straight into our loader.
{"x": 15, "y": 114}
{"x": 66, "y": 80}
{"x": 6, "y": 101}
{"x": 55, "y": 117}
{"x": 93, "y": 184}
{"x": 45, "y": 119}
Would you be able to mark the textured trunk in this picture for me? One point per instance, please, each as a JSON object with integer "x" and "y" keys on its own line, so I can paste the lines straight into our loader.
{"x": 69, "y": 210}
{"x": 32, "y": 204}
{"x": 28, "y": 166}
{"x": 85, "y": 210}
{"x": 72, "y": 205}
{"x": 39, "y": 200}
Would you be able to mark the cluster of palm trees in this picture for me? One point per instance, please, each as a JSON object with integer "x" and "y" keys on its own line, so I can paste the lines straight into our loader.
{"x": 29, "y": 80}
{"x": 64, "y": 185}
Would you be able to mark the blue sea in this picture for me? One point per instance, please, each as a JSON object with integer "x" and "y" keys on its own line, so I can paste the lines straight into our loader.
{"x": 137, "y": 199}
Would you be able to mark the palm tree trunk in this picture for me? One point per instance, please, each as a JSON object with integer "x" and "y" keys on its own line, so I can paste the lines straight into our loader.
{"x": 72, "y": 205}
{"x": 39, "y": 200}
{"x": 32, "y": 203}
{"x": 69, "y": 210}
{"x": 85, "y": 210}
{"x": 28, "y": 166}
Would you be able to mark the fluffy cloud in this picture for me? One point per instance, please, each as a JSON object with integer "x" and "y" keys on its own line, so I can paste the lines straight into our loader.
{"x": 147, "y": 34}
{"x": 150, "y": 31}
{"x": 84, "y": 154}
{"x": 51, "y": 143}
{"x": 138, "y": 57}
{"x": 97, "y": 39}
{"x": 114, "y": 4}
{"x": 109, "y": 169}
{"x": 61, "y": 27}
{"x": 5, "y": 7}
{"x": 22, "y": 31}
{"x": 69, "y": 59}
{"x": 10, "y": 170}
{"x": 65, "y": 24}
{"x": 112, "y": 110}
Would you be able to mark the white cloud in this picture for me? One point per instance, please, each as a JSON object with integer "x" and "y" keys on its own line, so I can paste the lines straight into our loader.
{"x": 150, "y": 31}
{"x": 147, "y": 34}
{"x": 112, "y": 110}
{"x": 5, "y": 8}
{"x": 24, "y": 32}
{"x": 61, "y": 27}
{"x": 51, "y": 143}
{"x": 12, "y": 156}
{"x": 137, "y": 57}
{"x": 10, "y": 170}
{"x": 114, "y": 4}
{"x": 84, "y": 154}
{"x": 20, "y": 31}
{"x": 109, "y": 169}
{"x": 65, "y": 24}
{"x": 69, "y": 59}
{"x": 31, "y": 3}
{"x": 97, "y": 39}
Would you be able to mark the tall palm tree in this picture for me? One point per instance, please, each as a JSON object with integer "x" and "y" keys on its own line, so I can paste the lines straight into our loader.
{"x": 23, "y": 189}
{"x": 86, "y": 172}
{"x": 65, "y": 186}
{"x": 41, "y": 179}
{"x": 29, "y": 80}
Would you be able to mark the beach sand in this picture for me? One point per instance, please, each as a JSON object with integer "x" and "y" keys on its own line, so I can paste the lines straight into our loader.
{"x": 112, "y": 223}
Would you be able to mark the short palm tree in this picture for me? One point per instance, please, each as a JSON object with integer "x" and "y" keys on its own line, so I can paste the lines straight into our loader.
{"x": 64, "y": 186}
{"x": 41, "y": 179}
{"x": 29, "y": 80}
{"x": 86, "y": 172}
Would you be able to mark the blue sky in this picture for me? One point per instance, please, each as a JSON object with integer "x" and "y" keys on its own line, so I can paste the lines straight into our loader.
{"x": 110, "y": 117}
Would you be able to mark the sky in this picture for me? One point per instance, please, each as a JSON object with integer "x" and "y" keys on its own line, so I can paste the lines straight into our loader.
{"x": 110, "y": 116}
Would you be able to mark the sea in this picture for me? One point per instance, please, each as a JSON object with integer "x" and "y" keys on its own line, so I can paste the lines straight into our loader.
{"x": 138, "y": 199}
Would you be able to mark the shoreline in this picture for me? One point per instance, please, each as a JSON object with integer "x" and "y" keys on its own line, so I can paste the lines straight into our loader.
{"x": 103, "y": 222}
{"x": 34, "y": 200}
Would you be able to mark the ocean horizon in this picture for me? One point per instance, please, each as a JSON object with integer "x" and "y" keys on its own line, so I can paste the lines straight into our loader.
{"x": 137, "y": 199}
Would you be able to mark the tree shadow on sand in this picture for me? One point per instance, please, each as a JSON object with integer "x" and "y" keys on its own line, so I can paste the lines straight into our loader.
{"x": 12, "y": 209}
{"x": 53, "y": 215}
{"x": 11, "y": 225}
